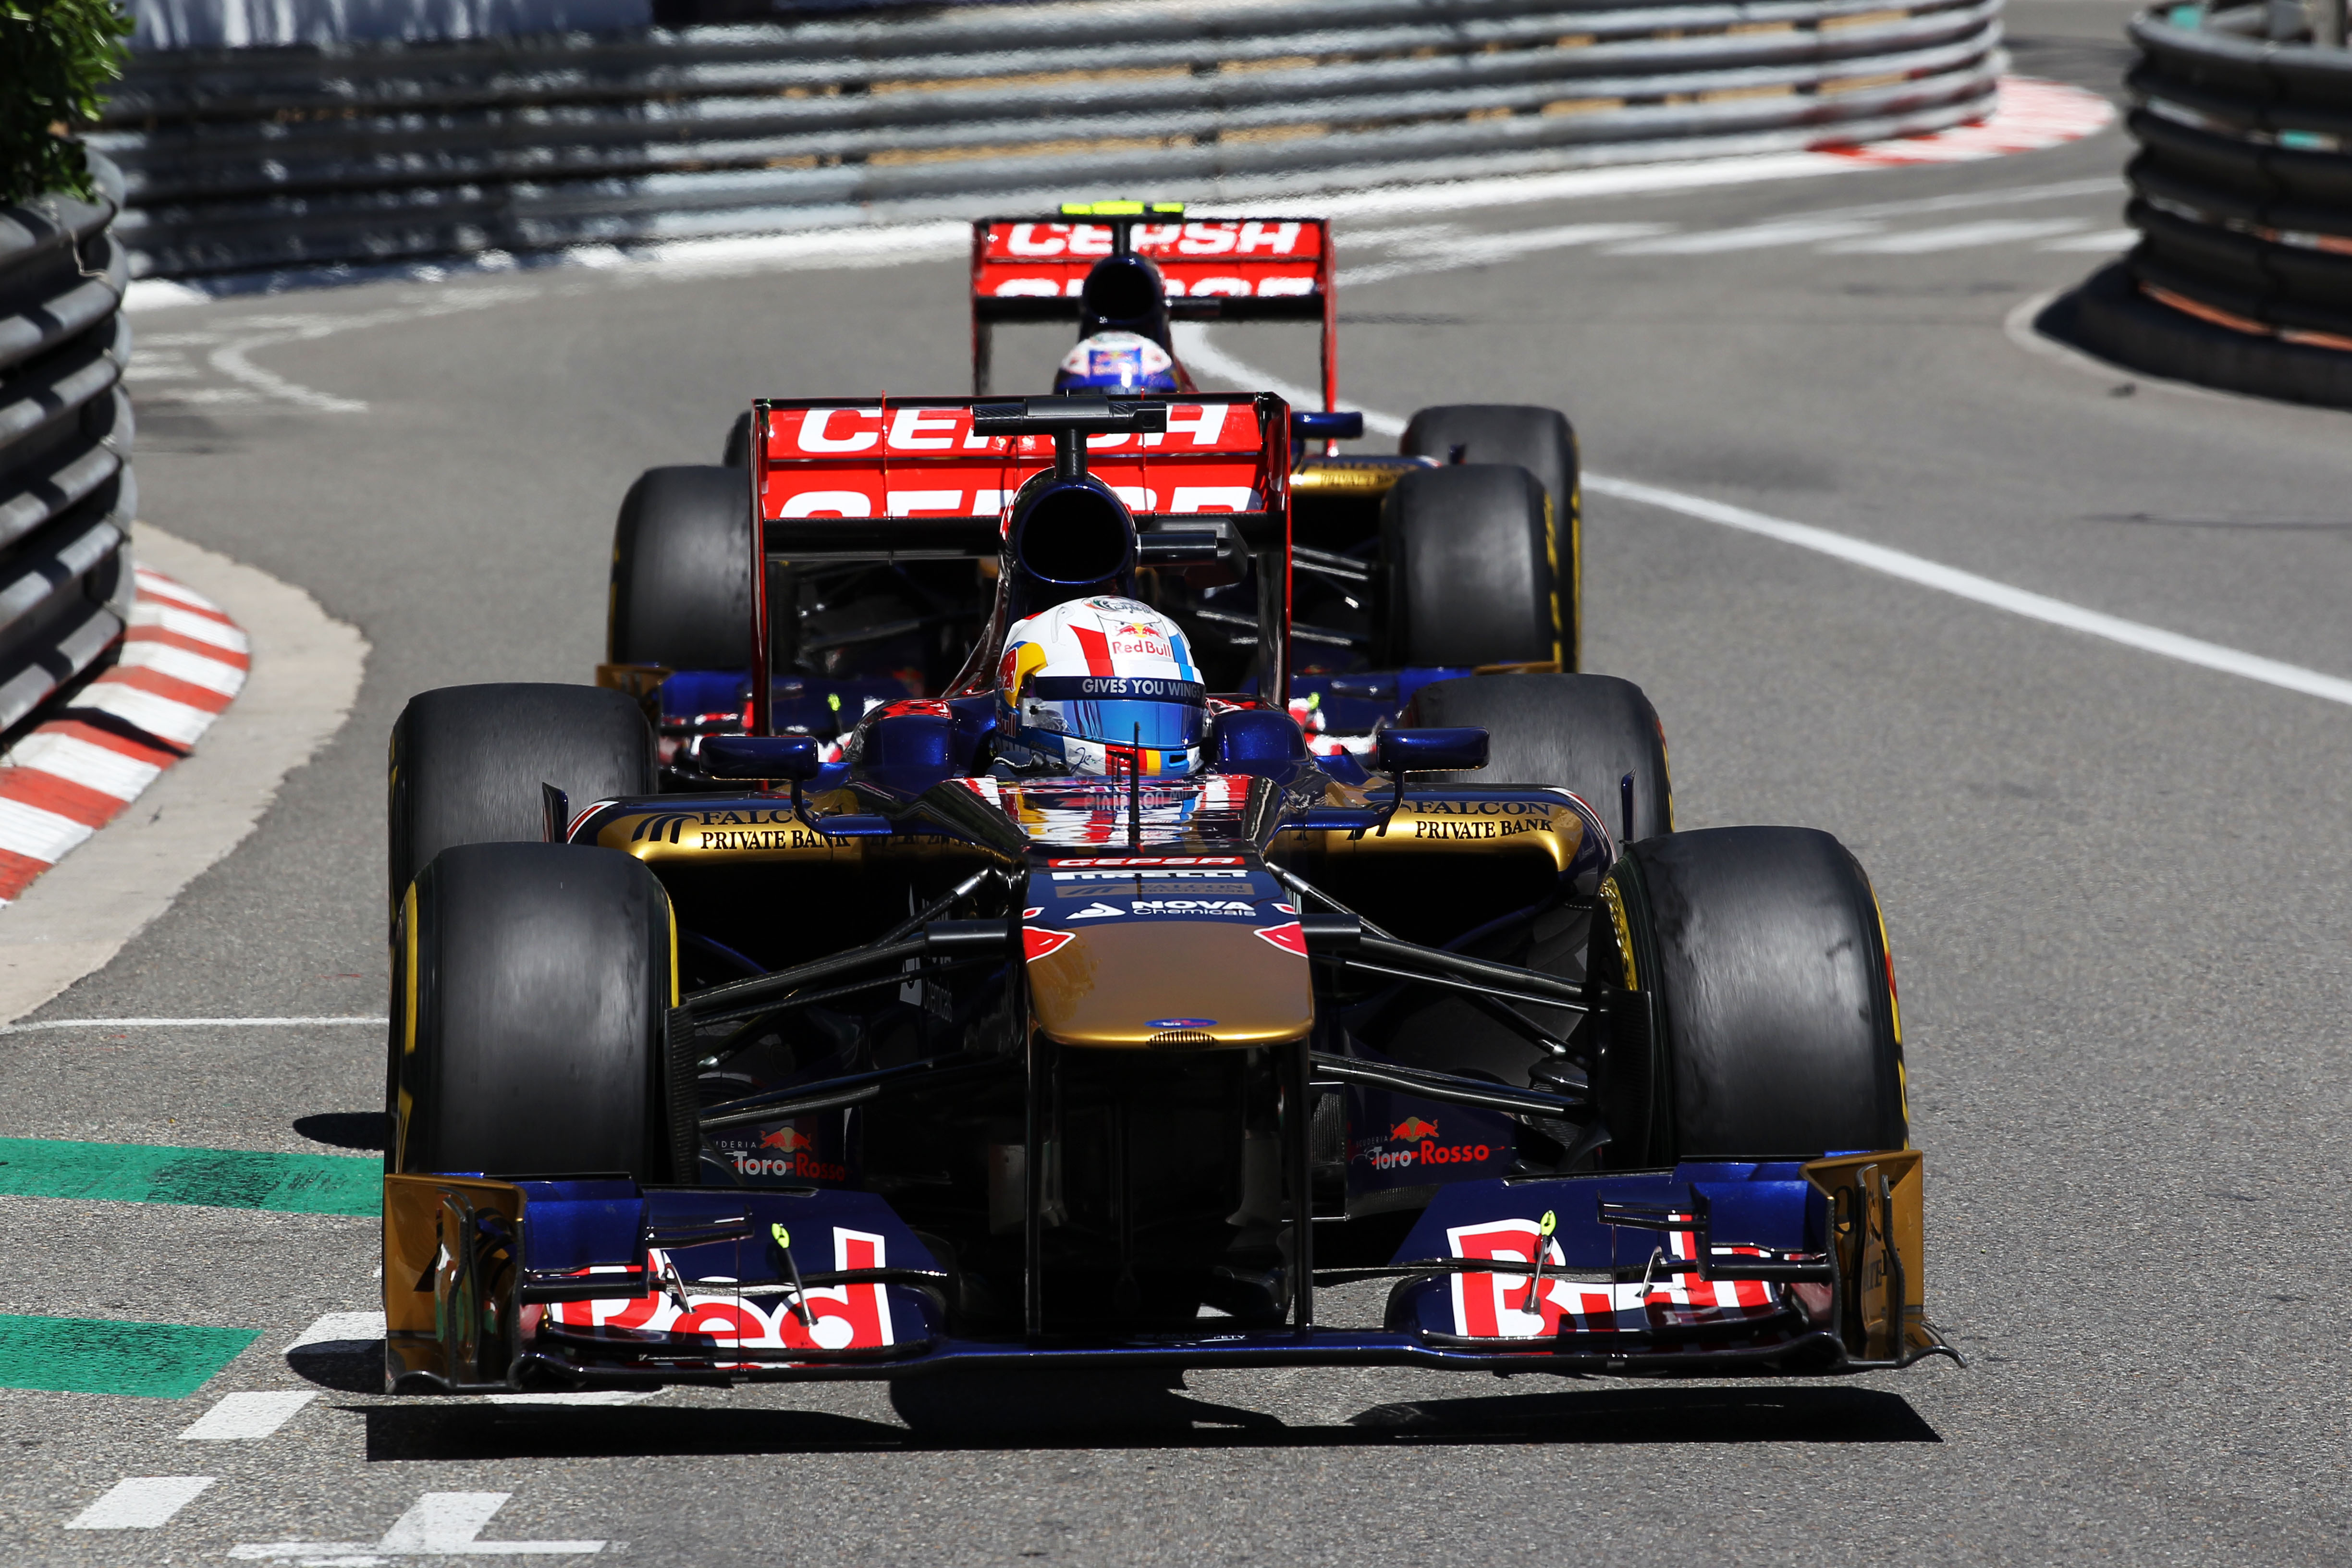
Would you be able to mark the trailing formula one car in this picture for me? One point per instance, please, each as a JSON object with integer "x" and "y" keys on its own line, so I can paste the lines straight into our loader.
{"x": 1079, "y": 1014}
{"x": 1460, "y": 552}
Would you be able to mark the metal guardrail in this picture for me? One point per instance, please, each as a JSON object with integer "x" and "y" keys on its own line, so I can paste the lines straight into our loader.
{"x": 65, "y": 490}
{"x": 299, "y": 157}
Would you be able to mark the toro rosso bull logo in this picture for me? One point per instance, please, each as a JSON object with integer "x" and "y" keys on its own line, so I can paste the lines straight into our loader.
{"x": 1420, "y": 1148}
{"x": 841, "y": 1317}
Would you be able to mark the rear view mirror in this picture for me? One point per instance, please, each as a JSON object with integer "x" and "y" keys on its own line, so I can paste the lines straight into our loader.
{"x": 793, "y": 757}
{"x": 1315, "y": 424}
{"x": 1432, "y": 751}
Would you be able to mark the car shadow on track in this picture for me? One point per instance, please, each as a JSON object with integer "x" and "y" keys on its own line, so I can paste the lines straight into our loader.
{"x": 1097, "y": 1412}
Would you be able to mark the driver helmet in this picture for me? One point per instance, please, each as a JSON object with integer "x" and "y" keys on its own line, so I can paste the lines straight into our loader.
{"x": 1117, "y": 361}
{"x": 1101, "y": 685}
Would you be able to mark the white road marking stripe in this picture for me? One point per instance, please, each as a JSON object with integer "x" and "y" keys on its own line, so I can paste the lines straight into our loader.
{"x": 159, "y": 716}
{"x": 186, "y": 1023}
{"x": 2106, "y": 239}
{"x": 84, "y": 762}
{"x": 38, "y": 834}
{"x": 141, "y": 1502}
{"x": 178, "y": 663}
{"x": 441, "y": 1524}
{"x": 1986, "y": 591}
{"x": 1757, "y": 237}
{"x": 1199, "y": 354}
{"x": 1479, "y": 249}
{"x": 1957, "y": 237}
{"x": 188, "y": 624}
{"x": 335, "y": 1327}
{"x": 585, "y": 1397}
{"x": 242, "y": 1417}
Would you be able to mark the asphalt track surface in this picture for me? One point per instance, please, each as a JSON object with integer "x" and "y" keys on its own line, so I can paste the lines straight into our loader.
{"x": 2114, "y": 885}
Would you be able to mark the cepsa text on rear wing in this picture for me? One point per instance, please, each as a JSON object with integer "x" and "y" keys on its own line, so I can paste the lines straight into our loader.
{"x": 1235, "y": 268}
{"x": 908, "y": 478}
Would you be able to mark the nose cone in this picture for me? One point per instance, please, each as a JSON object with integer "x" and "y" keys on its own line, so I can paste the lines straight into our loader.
{"x": 1178, "y": 982}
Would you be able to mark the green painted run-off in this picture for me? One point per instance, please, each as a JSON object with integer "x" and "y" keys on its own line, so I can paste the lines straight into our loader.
{"x": 221, "y": 1178}
{"x": 98, "y": 1356}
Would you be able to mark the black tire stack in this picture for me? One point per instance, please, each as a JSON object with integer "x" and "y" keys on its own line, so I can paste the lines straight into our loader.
{"x": 2243, "y": 194}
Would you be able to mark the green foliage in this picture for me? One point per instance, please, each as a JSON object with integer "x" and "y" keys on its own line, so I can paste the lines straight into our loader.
{"x": 55, "y": 57}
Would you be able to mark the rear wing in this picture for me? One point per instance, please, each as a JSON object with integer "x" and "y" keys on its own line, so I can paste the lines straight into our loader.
{"x": 895, "y": 478}
{"x": 1216, "y": 269}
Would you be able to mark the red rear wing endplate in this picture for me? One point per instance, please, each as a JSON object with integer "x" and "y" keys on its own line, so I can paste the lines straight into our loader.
{"x": 905, "y": 477}
{"x": 1229, "y": 270}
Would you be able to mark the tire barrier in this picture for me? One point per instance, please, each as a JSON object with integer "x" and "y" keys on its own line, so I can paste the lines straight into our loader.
{"x": 65, "y": 490}
{"x": 301, "y": 157}
{"x": 2243, "y": 194}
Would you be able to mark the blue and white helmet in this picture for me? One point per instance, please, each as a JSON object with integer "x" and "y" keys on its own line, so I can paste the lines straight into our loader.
{"x": 1101, "y": 685}
{"x": 1117, "y": 361}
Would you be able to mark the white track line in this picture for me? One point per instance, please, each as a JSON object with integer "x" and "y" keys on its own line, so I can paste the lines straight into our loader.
{"x": 243, "y": 1417}
{"x": 1200, "y": 354}
{"x": 1959, "y": 237}
{"x": 441, "y": 1524}
{"x": 338, "y": 1328}
{"x": 182, "y": 1024}
{"x": 141, "y": 1502}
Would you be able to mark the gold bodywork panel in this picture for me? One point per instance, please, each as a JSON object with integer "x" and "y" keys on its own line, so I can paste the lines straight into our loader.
{"x": 1369, "y": 477}
{"x": 1106, "y": 985}
{"x": 1879, "y": 1229}
{"x": 1550, "y": 829}
{"x": 739, "y": 833}
{"x": 413, "y": 1257}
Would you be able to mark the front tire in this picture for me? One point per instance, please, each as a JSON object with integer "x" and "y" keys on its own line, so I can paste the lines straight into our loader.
{"x": 1749, "y": 1003}
{"x": 532, "y": 982}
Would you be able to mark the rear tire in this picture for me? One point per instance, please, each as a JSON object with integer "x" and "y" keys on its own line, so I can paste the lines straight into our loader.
{"x": 737, "y": 452}
{"x": 1762, "y": 1022}
{"x": 531, "y": 985}
{"x": 1583, "y": 732}
{"x": 1466, "y": 570}
{"x": 682, "y": 570}
{"x": 1539, "y": 440}
{"x": 467, "y": 763}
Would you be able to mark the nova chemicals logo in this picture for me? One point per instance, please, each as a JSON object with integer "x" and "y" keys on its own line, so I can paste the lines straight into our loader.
{"x": 1180, "y": 1023}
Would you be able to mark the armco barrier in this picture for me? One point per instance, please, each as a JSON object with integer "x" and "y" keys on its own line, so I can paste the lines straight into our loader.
{"x": 2243, "y": 194}
{"x": 65, "y": 490}
{"x": 256, "y": 158}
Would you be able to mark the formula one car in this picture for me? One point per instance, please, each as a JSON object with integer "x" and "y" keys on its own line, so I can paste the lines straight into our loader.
{"x": 1461, "y": 552}
{"x": 1080, "y": 1015}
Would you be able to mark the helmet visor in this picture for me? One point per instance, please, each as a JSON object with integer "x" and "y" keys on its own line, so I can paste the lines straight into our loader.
{"x": 1118, "y": 709}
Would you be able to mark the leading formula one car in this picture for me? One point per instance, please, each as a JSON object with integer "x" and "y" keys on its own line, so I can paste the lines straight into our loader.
{"x": 1080, "y": 1014}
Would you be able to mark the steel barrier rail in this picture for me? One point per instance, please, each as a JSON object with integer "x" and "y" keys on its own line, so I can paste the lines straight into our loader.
{"x": 66, "y": 488}
{"x": 299, "y": 157}
{"x": 2243, "y": 194}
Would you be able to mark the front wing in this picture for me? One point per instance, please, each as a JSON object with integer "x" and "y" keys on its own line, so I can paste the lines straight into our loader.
{"x": 1708, "y": 1268}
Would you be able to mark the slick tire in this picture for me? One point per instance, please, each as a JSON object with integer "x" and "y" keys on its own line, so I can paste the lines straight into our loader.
{"x": 1583, "y": 732}
{"x": 530, "y": 987}
{"x": 1539, "y": 440}
{"x": 467, "y": 763}
{"x": 737, "y": 452}
{"x": 1748, "y": 1007}
{"x": 681, "y": 593}
{"x": 1467, "y": 576}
